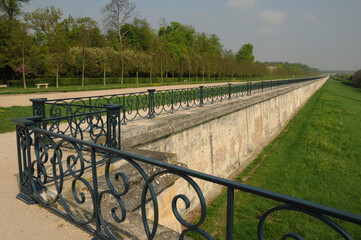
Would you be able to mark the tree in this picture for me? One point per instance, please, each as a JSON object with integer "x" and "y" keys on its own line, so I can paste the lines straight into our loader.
{"x": 105, "y": 54}
{"x": 11, "y": 8}
{"x": 87, "y": 35}
{"x": 57, "y": 54}
{"x": 357, "y": 78}
{"x": 139, "y": 60}
{"x": 245, "y": 53}
{"x": 117, "y": 13}
{"x": 21, "y": 49}
{"x": 44, "y": 20}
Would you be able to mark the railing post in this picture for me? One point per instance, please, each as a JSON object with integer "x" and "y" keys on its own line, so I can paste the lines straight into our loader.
{"x": 96, "y": 192}
{"x": 113, "y": 125}
{"x": 230, "y": 213}
{"x": 262, "y": 85}
{"x": 39, "y": 108}
{"x": 201, "y": 88}
{"x": 24, "y": 142}
{"x": 229, "y": 91}
{"x": 249, "y": 88}
{"x": 151, "y": 103}
{"x": 124, "y": 111}
{"x": 271, "y": 84}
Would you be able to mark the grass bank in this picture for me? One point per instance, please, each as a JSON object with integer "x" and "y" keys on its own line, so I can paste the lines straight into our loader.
{"x": 316, "y": 158}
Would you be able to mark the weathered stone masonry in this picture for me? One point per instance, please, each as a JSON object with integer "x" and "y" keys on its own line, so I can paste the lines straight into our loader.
{"x": 218, "y": 139}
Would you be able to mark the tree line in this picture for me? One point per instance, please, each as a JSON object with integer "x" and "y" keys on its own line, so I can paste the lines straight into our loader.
{"x": 45, "y": 44}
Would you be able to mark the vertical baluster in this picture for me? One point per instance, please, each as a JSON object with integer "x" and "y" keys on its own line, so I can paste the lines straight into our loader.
{"x": 230, "y": 212}
{"x": 151, "y": 103}
{"x": 113, "y": 125}
{"x": 124, "y": 111}
{"x": 201, "y": 104}
{"x": 39, "y": 108}
{"x": 229, "y": 91}
{"x": 95, "y": 190}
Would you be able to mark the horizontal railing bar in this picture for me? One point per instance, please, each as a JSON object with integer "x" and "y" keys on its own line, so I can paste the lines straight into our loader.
{"x": 74, "y": 105}
{"x": 304, "y": 204}
{"x": 95, "y": 96}
{"x": 71, "y": 116}
{"x": 145, "y": 92}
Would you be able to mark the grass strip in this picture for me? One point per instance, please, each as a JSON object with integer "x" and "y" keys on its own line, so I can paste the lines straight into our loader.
{"x": 316, "y": 158}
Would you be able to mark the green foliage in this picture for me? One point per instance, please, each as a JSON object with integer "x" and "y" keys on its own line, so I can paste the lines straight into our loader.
{"x": 245, "y": 53}
{"x": 356, "y": 79}
{"x": 10, "y": 9}
{"x": 308, "y": 160}
{"x": 76, "y": 47}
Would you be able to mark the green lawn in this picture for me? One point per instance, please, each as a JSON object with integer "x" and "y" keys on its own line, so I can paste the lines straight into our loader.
{"x": 73, "y": 88}
{"x": 317, "y": 158}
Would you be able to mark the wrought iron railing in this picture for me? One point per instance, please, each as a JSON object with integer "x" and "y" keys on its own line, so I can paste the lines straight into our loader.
{"x": 151, "y": 103}
{"x": 87, "y": 183}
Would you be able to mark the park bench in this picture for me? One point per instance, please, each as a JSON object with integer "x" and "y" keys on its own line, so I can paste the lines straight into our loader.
{"x": 185, "y": 80}
{"x": 42, "y": 84}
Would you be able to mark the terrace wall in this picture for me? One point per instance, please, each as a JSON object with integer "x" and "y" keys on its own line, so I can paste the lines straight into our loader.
{"x": 219, "y": 139}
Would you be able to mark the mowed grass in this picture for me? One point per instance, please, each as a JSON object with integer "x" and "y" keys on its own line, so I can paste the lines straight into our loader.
{"x": 317, "y": 158}
{"x": 6, "y": 114}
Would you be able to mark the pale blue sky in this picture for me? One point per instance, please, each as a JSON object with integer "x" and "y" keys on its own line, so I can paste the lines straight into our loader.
{"x": 320, "y": 33}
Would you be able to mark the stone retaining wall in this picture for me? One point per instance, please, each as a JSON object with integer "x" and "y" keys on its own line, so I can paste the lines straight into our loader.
{"x": 218, "y": 139}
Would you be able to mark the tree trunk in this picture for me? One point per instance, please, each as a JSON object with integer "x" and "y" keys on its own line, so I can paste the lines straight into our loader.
{"x": 23, "y": 67}
{"x": 182, "y": 73}
{"x": 104, "y": 74}
{"x": 166, "y": 68}
{"x": 150, "y": 74}
{"x": 83, "y": 70}
{"x": 122, "y": 75}
{"x": 57, "y": 77}
{"x": 137, "y": 77}
{"x": 161, "y": 72}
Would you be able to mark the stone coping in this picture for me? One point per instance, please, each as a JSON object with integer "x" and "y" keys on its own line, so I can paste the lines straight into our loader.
{"x": 140, "y": 132}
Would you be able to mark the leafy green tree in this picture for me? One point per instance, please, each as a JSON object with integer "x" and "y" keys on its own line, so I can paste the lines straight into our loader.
{"x": 57, "y": 54}
{"x": 116, "y": 14}
{"x": 87, "y": 35}
{"x": 105, "y": 55}
{"x": 21, "y": 49}
{"x": 245, "y": 53}
{"x": 10, "y": 9}
{"x": 356, "y": 78}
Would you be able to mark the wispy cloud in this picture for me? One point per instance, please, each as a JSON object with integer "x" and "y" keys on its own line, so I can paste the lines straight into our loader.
{"x": 241, "y": 3}
{"x": 310, "y": 16}
{"x": 269, "y": 30}
{"x": 272, "y": 20}
{"x": 272, "y": 17}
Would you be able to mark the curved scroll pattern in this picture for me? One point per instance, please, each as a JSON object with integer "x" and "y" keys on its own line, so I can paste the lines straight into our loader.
{"x": 66, "y": 162}
{"x": 190, "y": 227}
{"x": 296, "y": 236}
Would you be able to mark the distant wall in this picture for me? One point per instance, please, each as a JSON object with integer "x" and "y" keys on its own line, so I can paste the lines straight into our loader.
{"x": 218, "y": 139}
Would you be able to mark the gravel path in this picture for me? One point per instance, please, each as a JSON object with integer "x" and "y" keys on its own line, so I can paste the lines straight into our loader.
{"x": 21, "y": 221}
{"x": 9, "y": 100}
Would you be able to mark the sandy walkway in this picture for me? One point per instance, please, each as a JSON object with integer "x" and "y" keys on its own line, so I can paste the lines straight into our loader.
{"x": 9, "y": 100}
{"x": 21, "y": 221}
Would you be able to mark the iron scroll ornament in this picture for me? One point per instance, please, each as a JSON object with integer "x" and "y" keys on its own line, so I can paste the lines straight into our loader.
{"x": 345, "y": 235}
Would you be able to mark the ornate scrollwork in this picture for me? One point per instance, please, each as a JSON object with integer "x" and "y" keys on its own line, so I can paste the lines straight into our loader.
{"x": 296, "y": 236}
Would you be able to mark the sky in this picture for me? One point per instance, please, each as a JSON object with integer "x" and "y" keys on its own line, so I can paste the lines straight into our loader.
{"x": 325, "y": 34}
